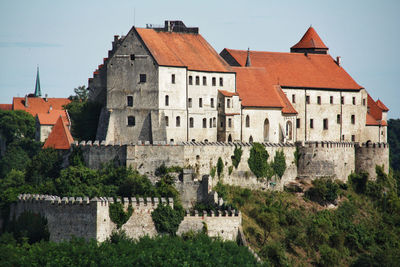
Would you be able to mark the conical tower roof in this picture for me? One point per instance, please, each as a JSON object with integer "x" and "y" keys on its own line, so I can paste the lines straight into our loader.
{"x": 310, "y": 42}
{"x": 38, "y": 92}
{"x": 60, "y": 136}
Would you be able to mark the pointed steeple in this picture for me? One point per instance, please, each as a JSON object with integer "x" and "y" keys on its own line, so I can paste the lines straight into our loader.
{"x": 38, "y": 92}
{"x": 310, "y": 43}
{"x": 248, "y": 62}
{"x": 60, "y": 137}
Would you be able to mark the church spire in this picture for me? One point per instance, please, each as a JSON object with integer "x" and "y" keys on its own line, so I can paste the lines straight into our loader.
{"x": 248, "y": 62}
{"x": 38, "y": 92}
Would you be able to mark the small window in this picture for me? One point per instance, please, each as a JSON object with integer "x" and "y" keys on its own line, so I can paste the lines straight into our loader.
{"x": 214, "y": 122}
{"x": 204, "y": 123}
{"x": 173, "y": 78}
{"x": 221, "y": 81}
{"x": 200, "y": 102}
{"x": 222, "y": 124}
{"x": 325, "y": 124}
{"x": 338, "y": 118}
{"x": 142, "y": 78}
{"x": 214, "y": 81}
{"x": 229, "y": 122}
{"x": 167, "y": 100}
{"x": 293, "y": 98}
{"x": 191, "y": 122}
{"x": 297, "y": 123}
{"x": 129, "y": 100}
{"x": 353, "y": 138}
{"x": 190, "y": 80}
{"x": 364, "y": 102}
{"x": 342, "y": 100}
{"x": 312, "y": 123}
{"x": 131, "y": 121}
{"x": 178, "y": 121}
{"x": 331, "y": 99}
{"x": 189, "y": 102}
{"x": 342, "y": 137}
{"x": 247, "y": 121}
{"x": 197, "y": 80}
{"x": 319, "y": 100}
{"x": 210, "y": 126}
{"x": 354, "y": 100}
{"x": 353, "y": 119}
{"x": 166, "y": 121}
{"x": 228, "y": 103}
{"x": 307, "y": 99}
{"x": 171, "y": 140}
{"x": 132, "y": 56}
{"x": 204, "y": 80}
{"x": 212, "y": 102}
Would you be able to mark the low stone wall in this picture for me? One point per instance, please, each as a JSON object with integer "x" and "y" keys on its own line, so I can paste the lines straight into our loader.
{"x": 368, "y": 155}
{"x": 81, "y": 217}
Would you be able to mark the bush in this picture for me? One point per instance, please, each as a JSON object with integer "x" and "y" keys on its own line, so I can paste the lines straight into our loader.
{"x": 258, "y": 161}
{"x": 31, "y": 227}
{"x": 167, "y": 219}
{"x": 275, "y": 254}
{"x": 213, "y": 171}
{"x": 323, "y": 191}
{"x": 118, "y": 215}
{"x": 359, "y": 182}
{"x": 237, "y": 155}
{"x": 220, "y": 167}
{"x": 279, "y": 163}
{"x": 230, "y": 169}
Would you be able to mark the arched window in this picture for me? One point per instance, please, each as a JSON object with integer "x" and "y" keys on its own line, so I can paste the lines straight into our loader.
{"x": 191, "y": 122}
{"x": 166, "y": 121}
{"x": 266, "y": 130}
{"x": 129, "y": 100}
{"x": 210, "y": 123}
{"x": 204, "y": 123}
{"x": 214, "y": 122}
{"x": 167, "y": 100}
{"x": 251, "y": 139}
{"x": 247, "y": 121}
{"x": 230, "y": 138}
{"x": 178, "y": 121}
{"x": 131, "y": 121}
{"x": 289, "y": 130}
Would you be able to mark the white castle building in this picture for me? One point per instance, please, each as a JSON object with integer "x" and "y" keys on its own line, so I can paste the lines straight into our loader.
{"x": 168, "y": 84}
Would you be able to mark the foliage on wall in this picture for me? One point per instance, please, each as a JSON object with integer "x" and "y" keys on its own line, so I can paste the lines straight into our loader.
{"x": 220, "y": 167}
{"x": 167, "y": 219}
{"x": 237, "y": 155}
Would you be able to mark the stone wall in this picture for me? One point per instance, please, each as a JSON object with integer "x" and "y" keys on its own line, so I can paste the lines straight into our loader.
{"x": 369, "y": 155}
{"x": 81, "y": 217}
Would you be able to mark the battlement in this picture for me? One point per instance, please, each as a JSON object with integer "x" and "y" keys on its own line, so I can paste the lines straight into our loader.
{"x": 217, "y": 213}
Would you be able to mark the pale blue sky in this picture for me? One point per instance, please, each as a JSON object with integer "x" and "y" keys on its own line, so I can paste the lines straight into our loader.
{"x": 68, "y": 39}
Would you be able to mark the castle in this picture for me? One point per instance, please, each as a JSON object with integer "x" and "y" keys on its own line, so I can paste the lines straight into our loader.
{"x": 168, "y": 84}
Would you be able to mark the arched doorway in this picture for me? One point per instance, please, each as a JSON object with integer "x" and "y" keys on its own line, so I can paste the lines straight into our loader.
{"x": 229, "y": 138}
{"x": 251, "y": 139}
{"x": 289, "y": 130}
{"x": 266, "y": 130}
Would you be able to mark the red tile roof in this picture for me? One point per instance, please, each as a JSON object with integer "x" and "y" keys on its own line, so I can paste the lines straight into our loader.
{"x": 287, "y": 106}
{"x": 310, "y": 39}
{"x": 226, "y": 93}
{"x": 182, "y": 50}
{"x": 60, "y": 136}
{"x": 382, "y": 106}
{"x": 255, "y": 88}
{"x": 371, "y": 121}
{"x": 374, "y": 114}
{"x": 299, "y": 71}
{"x": 39, "y": 105}
{"x": 51, "y": 117}
{"x": 5, "y": 106}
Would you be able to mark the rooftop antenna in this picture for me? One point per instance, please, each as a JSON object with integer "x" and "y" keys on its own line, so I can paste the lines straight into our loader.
{"x": 134, "y": 16}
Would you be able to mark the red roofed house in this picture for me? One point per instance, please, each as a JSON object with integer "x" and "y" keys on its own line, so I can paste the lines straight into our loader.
{"x": 168, "y": 84}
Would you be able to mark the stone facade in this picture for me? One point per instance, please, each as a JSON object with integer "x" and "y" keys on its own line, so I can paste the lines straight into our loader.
{"x": 90, "y": 219}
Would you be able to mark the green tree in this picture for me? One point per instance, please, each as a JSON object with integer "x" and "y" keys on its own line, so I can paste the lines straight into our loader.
{"x": 279, "y": 163}
{"x": 220, "y": 167}
{"x": 81, "y": 93}
{"x": 258, "y": 161}
{"x": 46, "y": 165}
{"x": 394, "y": 143}
{"x": 16, "y": 124}
{"x": 167, "y": 219}
{"x": 237, "y": 155}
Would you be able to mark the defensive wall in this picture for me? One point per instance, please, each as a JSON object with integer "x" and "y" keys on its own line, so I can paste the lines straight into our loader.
{"x": 314, "y": 159}
{"x": 89, "y": 218}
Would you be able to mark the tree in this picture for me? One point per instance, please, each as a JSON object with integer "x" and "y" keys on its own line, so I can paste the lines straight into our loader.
{"x": 258, "y": 161}
{"x": 45, "y": 165}
{"x": 81, "y": 93}
{"x": 16, "y": 124}
{"x": 279, "y": 163}
{"x": 167, "y": 219}
{"x": 237, "y": 155}
{"x": 220, "y": 167}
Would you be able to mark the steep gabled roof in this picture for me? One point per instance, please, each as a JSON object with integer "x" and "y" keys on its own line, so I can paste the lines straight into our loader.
{"x": 309, "y": 40}
{"x": 287, "y": 106}
{"x": 39, "y": 105}
{"x": 50, "y": 118}
{"x": 189, "y": 50}
{"x": 374, "y": 114}
{"x": 296, "y": 70}
{"x": 255, "y": 88}
{"x": 382, "y": 106}
{"x": 60, "y": 136}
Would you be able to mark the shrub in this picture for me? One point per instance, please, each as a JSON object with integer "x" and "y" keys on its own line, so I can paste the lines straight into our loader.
{"x": 220, "y": 167}
{"x": 258, "y": 161}
{"x": 329, "y": 256}
{"x": 118, "y": 215}
{"x": 237, "y": 155}
{"x": 167, "y": 219}
{"x": 279, "y": 163}
{"x": 359, "y": 182}
{"x": 230, "y": 169}
{"x": 323, "y": 191}
{"x": 212, "y": 171}
{"x": 275, "y": 254}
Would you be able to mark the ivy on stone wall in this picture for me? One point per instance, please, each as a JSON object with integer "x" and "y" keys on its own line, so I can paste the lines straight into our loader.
{"x": 237, "y": 155}
{"x": 118, "y": 215}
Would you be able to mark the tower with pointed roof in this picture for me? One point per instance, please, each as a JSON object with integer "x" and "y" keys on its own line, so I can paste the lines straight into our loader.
{"x": 38, "y": 92}
{"x": 310, "y": 43}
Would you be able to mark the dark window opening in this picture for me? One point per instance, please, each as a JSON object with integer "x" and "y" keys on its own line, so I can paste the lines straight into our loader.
{"x": 364, "y": 102}
{"x": 200, "y": 102}
{"x": 190, "y": 80}
{"x": 353, "y": 119}
{"x": 166, "y": 121}
{"x": 129, "y": 100}
{"x": 167, "y": 100}
{"x": 132, "y": 56}
{"x": 311, "y": 123}
{"x": 229, "y": 123}
{"x": 354, "y": 100}
{"x": 210, "y": 126}
{"x": 191, "y": 122}
{"x": 173, "y": 78}
{"x": 297, "y": 123}
{"x": 212, "y": 102}
{"x": 247, "y": 121}
{"x": 342, "y": 100}
{"x": 338, "y": 118}
{"x": 197, "y": 80}
{"x": 214, "y": 81}
{"x": 293, "y": 98}
{"x": 131, "y": 121}
{"x": 178, "y": 121}
{"x": 325, "y": 124}
{"x": 228, "y": 103}
{"x": 353, "y": 138}
{"x": 204, "y": 123}
{"x": 142, "y": 78}
{"x": 190, "y": 102}
{"x": 307, "y": 99}
{"x": 319, "y": 100}
{"x": 221, "y": 82}
{"x": 331, "y": 99}
{"x": 204, "y": 80}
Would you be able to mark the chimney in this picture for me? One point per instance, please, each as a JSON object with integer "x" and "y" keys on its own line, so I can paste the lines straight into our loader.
{"x": 50, "y": 109}
{"x": 26, "y": 101}
{"x": 248, "y": 62}
{"x": 338, "y": 61}
{"x": 45, "y": 97}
